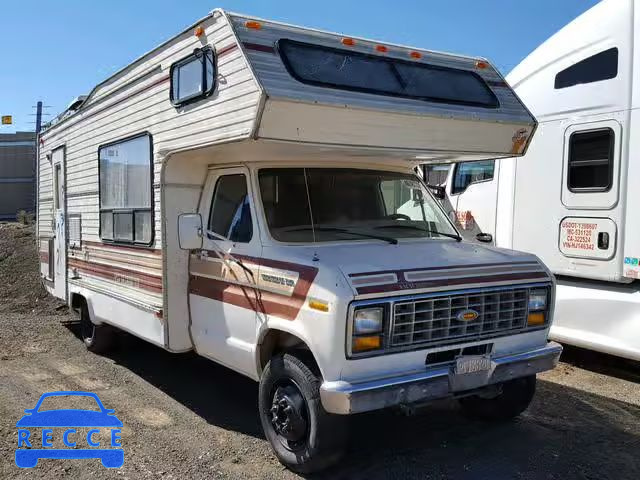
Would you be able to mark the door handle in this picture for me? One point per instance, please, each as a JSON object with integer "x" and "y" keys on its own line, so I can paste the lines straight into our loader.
{"x": 603, "y": 241}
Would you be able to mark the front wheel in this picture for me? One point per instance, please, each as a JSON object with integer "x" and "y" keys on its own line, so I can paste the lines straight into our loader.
{"x": 304, "y": 437}
{"x": 513, "y": 399}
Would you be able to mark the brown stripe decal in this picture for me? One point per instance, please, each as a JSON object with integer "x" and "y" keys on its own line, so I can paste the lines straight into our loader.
{"x": 259, "y": 48}
{"x": 228, "y": 49}
{"x": 251, "y": 298}
{"x": 123, "y": 248}
{"x": 121, "y": 275}
{"x": 451, "y": 282}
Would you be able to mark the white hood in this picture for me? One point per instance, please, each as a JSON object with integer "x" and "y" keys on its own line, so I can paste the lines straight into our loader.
{"x": 427, "y": 265}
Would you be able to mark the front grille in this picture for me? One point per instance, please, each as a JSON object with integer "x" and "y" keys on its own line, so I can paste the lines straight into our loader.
{"x": 435, "y": 319}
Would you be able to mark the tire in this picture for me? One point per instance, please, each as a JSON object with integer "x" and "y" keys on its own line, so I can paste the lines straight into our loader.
{"x": 316, "y": 439}
{"x": 515, "y": 397}
{"x": 97, "y": 338}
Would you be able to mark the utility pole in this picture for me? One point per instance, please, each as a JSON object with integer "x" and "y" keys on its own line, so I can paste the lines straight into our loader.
{"x": 38, "y": 117}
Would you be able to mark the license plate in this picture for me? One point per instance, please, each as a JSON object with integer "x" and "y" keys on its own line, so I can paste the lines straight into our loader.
{"x": 472, "y": 364}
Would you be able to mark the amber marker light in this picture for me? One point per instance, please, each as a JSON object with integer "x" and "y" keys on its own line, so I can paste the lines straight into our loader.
{"x": 349, "y": 42}
{"x": 253, "y": 24}
{"x": 198, "y": 32}
{"x": 382, "y": 48}
{"x": 363, "y": 344}
{"x": 416, "y": 55}
{"x": 319, "y": 305}
{"x": 481, "y": 64}
{"x": 535, "y": 319}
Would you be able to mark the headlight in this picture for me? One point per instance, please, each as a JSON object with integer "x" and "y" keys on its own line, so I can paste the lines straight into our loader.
{"x": 368, "y": 320}
{"x": 537, "y": 300}
{"x": 537, "y": 307}
{"x": 366, "y": 332}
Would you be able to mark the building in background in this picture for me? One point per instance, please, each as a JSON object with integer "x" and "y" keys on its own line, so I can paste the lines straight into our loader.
{"x": 17, "y": 173}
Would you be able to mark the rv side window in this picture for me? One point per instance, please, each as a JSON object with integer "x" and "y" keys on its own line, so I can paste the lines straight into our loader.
{"x": 602, "y": 66}
{"x": 467, "y": 173}
{"x": 230, "y": 214}
{"x": 349, "y": 70}
{"x": 125, "y": 191}
{"x": 590, "y": 166}
{"x": 192, "y": 77}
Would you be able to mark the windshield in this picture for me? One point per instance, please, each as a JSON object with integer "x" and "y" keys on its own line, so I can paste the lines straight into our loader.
{"x": 329, "y": 204}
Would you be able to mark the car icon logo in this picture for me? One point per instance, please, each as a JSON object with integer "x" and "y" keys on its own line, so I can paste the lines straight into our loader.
{"x": 69, "y": 420}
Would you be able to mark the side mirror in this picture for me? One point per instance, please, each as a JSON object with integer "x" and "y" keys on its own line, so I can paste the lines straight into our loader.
{"x": 484, "y": 237}
{"x": 190, "y": 231}
{"x": 438, "y": 191}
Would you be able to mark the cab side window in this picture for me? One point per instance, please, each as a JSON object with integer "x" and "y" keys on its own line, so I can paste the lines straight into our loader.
{"x": 230, "y": 213}
{"x": 591, "y": 161}
{"x": 467, "y": 173}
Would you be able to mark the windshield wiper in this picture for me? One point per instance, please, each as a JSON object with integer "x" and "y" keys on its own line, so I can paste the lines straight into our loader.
{"x": 455, "y": 236}
{"x": 391, "y": 240}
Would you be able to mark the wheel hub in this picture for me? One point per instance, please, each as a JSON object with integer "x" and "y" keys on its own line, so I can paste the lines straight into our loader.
{"x": 287, "y": 413}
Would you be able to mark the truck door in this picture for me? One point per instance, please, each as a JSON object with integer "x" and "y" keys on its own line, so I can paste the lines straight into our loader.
{"x": 590, "y": 195}
{"x": 471, "y": 194}
{"x": 222, "y": 297}
{"x": 58, "y": 254}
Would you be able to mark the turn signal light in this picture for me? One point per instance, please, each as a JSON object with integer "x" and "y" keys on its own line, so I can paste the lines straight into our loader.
{"x": 253, "y": 24}
{"x": 362, "y": 344}
{"x": 535, "y": 319}
{"x": 319, "y": 305}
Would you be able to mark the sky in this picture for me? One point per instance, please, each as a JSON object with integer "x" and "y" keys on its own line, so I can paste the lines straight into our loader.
{"x": 55, "y": 50}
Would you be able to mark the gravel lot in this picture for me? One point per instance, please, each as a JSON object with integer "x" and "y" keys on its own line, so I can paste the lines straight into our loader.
{"x": 185, "y": 417}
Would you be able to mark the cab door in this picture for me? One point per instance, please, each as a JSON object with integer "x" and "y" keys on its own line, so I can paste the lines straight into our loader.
{"x": 471, "y": 190}
{"x": 590, "y": 197}
{"x": 222, "y": 295}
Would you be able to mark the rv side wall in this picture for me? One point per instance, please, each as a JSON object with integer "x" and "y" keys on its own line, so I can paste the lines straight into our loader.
{"x": 135, "y": 101}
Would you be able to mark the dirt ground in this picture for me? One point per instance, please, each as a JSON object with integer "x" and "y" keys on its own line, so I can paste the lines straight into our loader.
{"x": 186, "y": 417}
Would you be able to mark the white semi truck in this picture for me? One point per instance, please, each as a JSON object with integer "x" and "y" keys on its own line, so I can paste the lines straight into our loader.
{"x": 570, "y": 199}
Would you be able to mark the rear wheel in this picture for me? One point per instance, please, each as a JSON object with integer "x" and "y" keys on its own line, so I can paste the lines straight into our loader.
{"x": 97, "y": 338}
{"x": 513, "y": 399}
{"x": 303, "y": 435}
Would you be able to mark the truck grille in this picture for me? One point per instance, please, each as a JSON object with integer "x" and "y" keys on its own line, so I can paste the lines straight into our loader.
{"x": 435, "y": 319}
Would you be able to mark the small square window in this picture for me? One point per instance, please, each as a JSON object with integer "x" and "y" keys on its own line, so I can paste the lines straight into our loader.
{"x": 193, "y": 77}
{"x": 591, "y": 161}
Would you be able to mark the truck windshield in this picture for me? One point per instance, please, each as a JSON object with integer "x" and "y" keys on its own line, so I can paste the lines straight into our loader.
{"x": 330, "y": 204}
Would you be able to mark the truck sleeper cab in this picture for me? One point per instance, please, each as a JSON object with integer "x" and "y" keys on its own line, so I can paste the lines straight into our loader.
{"x": 267, "y": 216}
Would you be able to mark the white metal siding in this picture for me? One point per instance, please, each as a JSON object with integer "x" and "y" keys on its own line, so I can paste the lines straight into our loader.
{"x": 137, "y": 100}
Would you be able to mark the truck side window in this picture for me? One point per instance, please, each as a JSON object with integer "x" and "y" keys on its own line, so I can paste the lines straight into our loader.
{"x": 230, "y": 214}
{"x": 467, "y": 173}
{"x": 591, "y": 161}
{"x": 601, "y": 66}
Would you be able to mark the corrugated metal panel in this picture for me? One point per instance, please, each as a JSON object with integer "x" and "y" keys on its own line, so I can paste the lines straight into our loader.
{"x": 278, "y": 83}
{"x": 17, "y": 173}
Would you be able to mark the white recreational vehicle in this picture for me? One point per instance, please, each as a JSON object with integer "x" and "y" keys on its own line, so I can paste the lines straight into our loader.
{"x": 570, "y": 199}
{"x": 246, "y": 190}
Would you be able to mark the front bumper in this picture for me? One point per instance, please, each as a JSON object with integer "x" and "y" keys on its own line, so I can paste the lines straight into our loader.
{"x": 344, "y": 398}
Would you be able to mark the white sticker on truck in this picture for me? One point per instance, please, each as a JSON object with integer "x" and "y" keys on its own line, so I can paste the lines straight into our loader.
{"x": 588, "y": 237}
